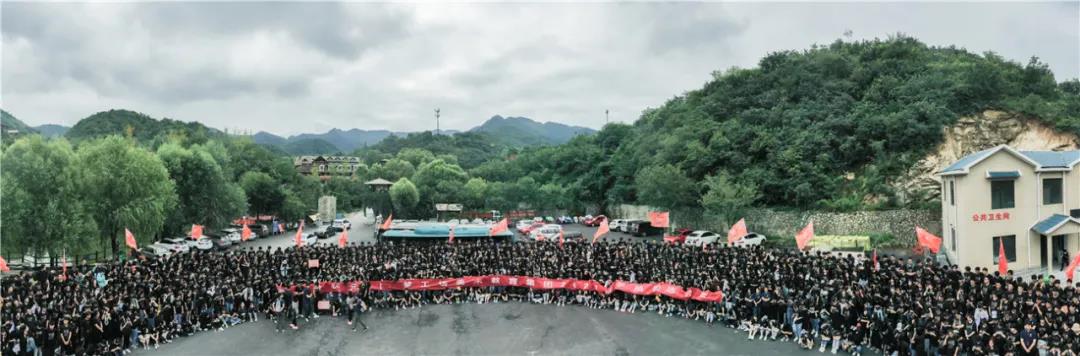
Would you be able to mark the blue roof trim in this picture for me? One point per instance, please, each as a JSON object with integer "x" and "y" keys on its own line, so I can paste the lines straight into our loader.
{"x": 1050, "y": 224}
{"x": 1003, "y": 175}
{"x": 963, "y": 162}
{"x": 1042, "y": 160}
{"x": 1053, "y": 159}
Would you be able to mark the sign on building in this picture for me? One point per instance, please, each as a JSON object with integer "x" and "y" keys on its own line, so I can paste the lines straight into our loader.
{"x": 448, "y": 207}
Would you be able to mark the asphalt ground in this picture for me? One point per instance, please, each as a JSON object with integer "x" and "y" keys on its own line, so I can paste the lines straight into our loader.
{"x": 488, "y": 329}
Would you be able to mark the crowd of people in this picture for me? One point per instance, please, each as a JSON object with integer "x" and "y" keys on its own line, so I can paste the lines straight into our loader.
{"x": 826, "y": 303}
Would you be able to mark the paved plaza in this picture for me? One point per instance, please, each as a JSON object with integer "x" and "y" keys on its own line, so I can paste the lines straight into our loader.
{"x": 488, "y": 329}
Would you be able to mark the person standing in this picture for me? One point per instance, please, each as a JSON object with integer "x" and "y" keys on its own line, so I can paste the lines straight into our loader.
{"x": 278, "y": 308}
{"x": 355, "y": 306}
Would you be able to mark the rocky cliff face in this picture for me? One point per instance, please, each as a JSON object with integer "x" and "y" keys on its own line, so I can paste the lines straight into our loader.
{"x": 975, "y": 133}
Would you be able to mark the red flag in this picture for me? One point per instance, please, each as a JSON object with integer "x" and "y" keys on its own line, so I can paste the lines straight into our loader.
{"x": 737, "y": 232}
{"x": 876, "y": 265}
{"x": 344, "y": 239}
{"x": 1003, "y": 261}
{"x": 1072, "y": 267}
{"x": 196, "y": 231}
{"x": 245, "y": 234}
{"x": 386, "y": 224}
{"x": 601, "y": 231}
{"x": 129, "y": 239}
{"x": 501, "y": 226}
{"x": 658, "y": 218}
{"x": 300, "y": 234}
{"x": 63, "y": 273}
{"x": 804, "y": 236}
{"x": 451, "y": 240}
{"x": 3, "y": 265}
{"x": 560, "y": 238}
{"x": 928, "y": 240}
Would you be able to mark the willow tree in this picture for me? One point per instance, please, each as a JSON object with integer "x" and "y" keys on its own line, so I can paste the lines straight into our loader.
{"x": 126, "y": 187}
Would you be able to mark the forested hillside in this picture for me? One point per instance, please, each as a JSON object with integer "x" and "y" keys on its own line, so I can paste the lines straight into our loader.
{"x": 139, "y": 126}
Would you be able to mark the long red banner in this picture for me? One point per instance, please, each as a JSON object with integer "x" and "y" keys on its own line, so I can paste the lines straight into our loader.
{"x": 646, "y": 289}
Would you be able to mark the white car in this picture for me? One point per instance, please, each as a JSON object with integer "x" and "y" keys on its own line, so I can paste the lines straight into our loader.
{"x": 701, "y": 237}
{"x": 548, "y": 232}
{"x": 616, "y": 225}
{"x": 231, "y": 235}
{"x": 159, "y": 250}
{"x": 309, "y": 239}
{"x": 751, "y": 239}
{"x": 204, "y": 244}
{"x": 343, "y": 224}
{"x": 178, "y": 244}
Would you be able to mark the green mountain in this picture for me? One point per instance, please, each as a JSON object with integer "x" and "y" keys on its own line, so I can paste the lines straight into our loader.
{"x": 13, "y": 126}
{"x": 140, "y": 126}
{"x": 522, "y": 131}
{"x": 51, "y": 130}
{"x": 310, "y": 146}
{"x": 831, "y": 126}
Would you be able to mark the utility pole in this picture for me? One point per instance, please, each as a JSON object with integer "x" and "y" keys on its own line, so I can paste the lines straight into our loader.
{"x": 436, "y": 121}
{"x": 607, "y": 117}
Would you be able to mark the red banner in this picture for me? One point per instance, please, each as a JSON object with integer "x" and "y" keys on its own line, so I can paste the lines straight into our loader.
{"x": 643, "y": 289}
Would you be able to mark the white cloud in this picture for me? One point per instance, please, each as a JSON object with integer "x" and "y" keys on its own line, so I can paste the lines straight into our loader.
{"x": 303, "y": 67}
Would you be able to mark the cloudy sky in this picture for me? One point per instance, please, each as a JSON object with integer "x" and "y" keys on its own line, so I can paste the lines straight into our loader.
{"x": 289, "y": 68}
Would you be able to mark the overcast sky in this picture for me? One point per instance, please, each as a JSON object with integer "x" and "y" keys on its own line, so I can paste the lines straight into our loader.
{"x": 290, "y": 68}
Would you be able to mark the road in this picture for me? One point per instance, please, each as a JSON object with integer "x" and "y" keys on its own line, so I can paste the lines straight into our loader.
{"x": 363, "y": 230}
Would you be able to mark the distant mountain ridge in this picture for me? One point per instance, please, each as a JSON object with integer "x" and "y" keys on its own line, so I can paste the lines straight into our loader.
{"x": 523, "y": 131}
{"x": 511, "y": 131}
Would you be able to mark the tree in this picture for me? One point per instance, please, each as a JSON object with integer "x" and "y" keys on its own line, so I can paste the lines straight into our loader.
{"x": 665, "y": 186}
{"x": 726, "y": 198}
{"x": 416, "y": 156}
{"x": 125, "y": 187}
{"x": 392, "y": 170}
{"x": 440, "y": 182}
{"x": 42, "y": 210}
{"x": 264, "y": 195}
{"x": 347, "y": 191}
{"x": 474, "y": 192}
{"x": 292, "y": 208}
{"x": 205, "y": 194}
{"x": 404, "y": 195}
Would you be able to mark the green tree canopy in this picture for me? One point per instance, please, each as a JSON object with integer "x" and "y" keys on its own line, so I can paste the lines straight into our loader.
{"x": 264, "y": 195}
{"x": 404, "y": 195}
{"x": 665, "y": 186}
{"x": 206, "y": 195}
{"x": 126, "y": 187}
{"x": 43, "y": 211}
{"x": 727, "y": 198}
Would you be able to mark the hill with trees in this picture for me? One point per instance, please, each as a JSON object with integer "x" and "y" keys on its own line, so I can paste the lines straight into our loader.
{"x": 52, "y": 130}
{"x": 139, "y": 126}
{"x": 523, "y": 131}
{"x": 11, "y": 127}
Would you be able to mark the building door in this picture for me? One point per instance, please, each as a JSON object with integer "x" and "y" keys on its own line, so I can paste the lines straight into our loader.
{"x": 1042, "y": 251}
{"x": 1061, "y": 259}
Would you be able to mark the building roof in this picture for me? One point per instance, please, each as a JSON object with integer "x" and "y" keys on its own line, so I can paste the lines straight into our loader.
{"x": 1049, "y": 225}
{"x": 1041, "y": 160}
{"x": 1003, "y": 175}
{"x": 379, "y": 181}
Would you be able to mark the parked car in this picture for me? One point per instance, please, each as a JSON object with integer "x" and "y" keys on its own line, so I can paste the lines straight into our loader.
{"x": 342, "y": 223}
{"x": 641, "y": 228}
{"x": 522, "y": 224}
{"x": 616, "y": 225}
{"x": 595, "y": 221}
{"x": 178, "y": 244}
{"x": 679, "y": 236}
{"x": 546, "y": 231}
{"x": 533, "y": 226}
{"x": 310, "y": 239}
{"x": 156, "y": 250}
{"x": 751, "y": 239}
{"x": 231, "y": 235}
{"x": 701, "y": 237}
{"x": 221, "y": 244}
{"x": 204, "y": 244}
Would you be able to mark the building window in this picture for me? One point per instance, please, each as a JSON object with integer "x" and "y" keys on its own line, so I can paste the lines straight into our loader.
{"x": 952, "y": 192}
{"x": 1001, "y": 194}
{"x": 1010, "y": 247}
{"x": 1052, "y": 191}
{"x": 952, "y": 234}
{"x": 322, "y": 168}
